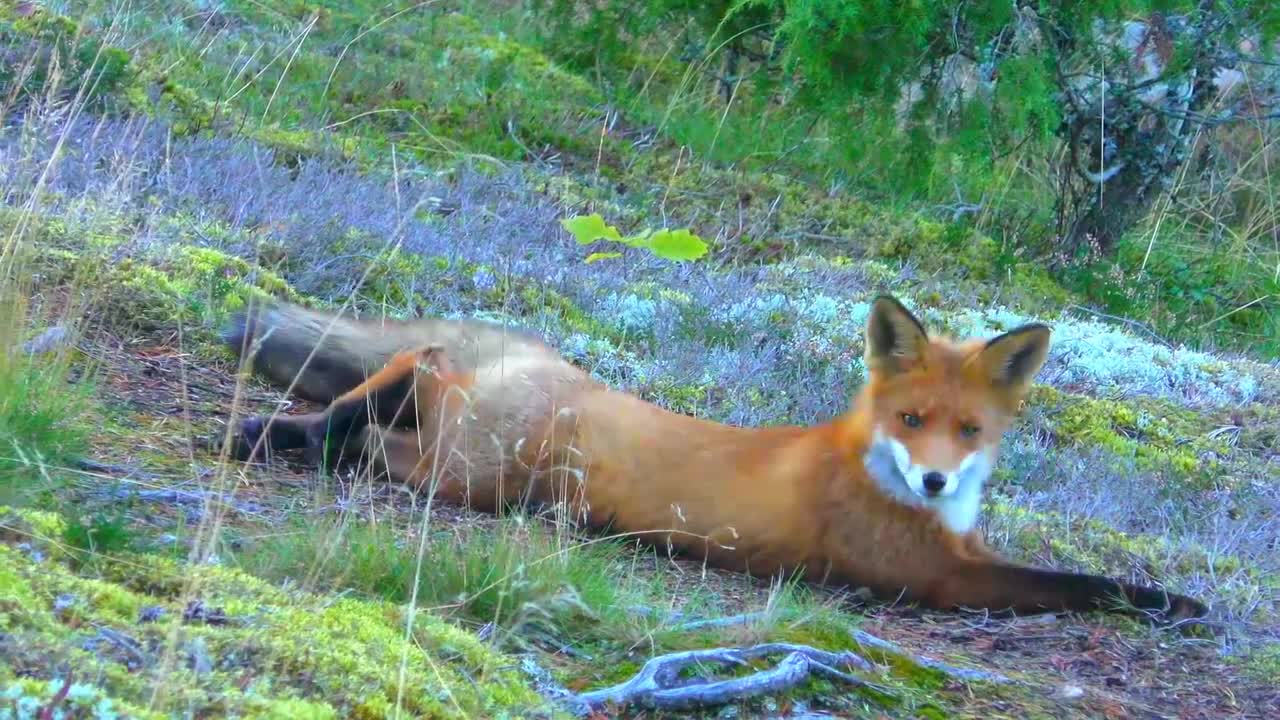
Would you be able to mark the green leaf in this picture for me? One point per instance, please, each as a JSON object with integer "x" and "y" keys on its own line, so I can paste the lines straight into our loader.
{"x": 595, "y": 256}
{"x": 677, "y": 245}
{"x": 638, "y": 240}
{"x": 586, "y": 229}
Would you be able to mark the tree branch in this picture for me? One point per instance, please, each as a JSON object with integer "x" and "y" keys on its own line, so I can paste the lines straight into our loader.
{"x": 660, "y": 686}
{"x": 959, "y": 673}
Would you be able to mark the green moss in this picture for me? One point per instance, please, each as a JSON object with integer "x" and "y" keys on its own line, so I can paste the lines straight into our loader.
{"x": 1258, "y": 424}
{"x": 181, "y": 286}
{"x": 687, "y": 399}
{"x": 185, "y": 109}
{"x": 535, "y": 299}
{"x": 1156, "y": 433}
{"x": 65, "y": 59}
{"x": 97, "y": 227}
{"x": 1262, "y": 663}
{"x": 279, "y": 653}
{"x": 292, "y": 146}
{"x": 38, "y": 527}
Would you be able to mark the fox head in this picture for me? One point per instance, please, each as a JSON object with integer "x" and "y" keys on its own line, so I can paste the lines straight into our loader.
{"x": 938, "y": 408}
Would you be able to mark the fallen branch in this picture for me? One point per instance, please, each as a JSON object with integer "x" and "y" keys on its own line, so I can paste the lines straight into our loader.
{"x": 721, "y": 622}
{"x": 93, "y": 466}
{"x": 660, "y": 686}
{"x": 959, "y": 673}
{"x": 703, "y": 623}
{"x": 545, "y": 684}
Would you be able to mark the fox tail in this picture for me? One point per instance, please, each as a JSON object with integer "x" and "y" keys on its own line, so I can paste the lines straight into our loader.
{"x": 314, "y": 355}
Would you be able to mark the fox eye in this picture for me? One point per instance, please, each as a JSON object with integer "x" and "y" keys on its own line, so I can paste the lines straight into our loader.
{"x": 911, "y": 420}
{"x": 969, "y": 430}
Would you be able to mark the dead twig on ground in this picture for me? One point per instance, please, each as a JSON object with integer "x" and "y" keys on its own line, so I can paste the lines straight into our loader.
{"x": 958, "y": 673}
{"x": 660, "y": 685}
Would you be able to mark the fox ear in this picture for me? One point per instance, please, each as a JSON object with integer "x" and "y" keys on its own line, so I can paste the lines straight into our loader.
{"x": 1012, "y": 360}
{"x": 895, "y": 338}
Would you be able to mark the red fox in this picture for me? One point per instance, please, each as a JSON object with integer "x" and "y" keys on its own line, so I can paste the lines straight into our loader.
{"x": 885, "y": 496}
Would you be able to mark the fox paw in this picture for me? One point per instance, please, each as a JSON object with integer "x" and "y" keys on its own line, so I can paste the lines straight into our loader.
{"x": 1165, "y": 608}
{"x": 327, "y": 447}
{"x": 249, "y": 438}
{"x": 1183, "y": 608}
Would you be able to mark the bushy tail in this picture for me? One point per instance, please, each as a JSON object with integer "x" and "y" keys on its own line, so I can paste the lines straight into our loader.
{"x": 315, "y": 355}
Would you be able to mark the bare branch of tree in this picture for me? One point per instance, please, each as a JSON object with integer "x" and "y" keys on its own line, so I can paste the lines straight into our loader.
{"x": 1217, "y": 119}
{"x": 1231, "y": 59}
{"x": 959, "y": 673}
{"x": 730, "y": 621}
{"x": 659, "y": 685}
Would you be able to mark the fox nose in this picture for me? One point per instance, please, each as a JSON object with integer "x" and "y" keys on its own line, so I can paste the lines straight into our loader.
{"x": 934, "y": 481}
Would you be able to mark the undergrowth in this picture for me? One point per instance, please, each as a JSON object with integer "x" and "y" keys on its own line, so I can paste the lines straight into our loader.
{"x": 516, "y": 575}
{"x": 46, "y": 397}
{"x": 643, "y": 127}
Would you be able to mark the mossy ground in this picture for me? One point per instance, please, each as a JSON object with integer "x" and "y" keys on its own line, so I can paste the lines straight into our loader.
{"x": 258, "y": 651}
{"x": 316, "y": 616}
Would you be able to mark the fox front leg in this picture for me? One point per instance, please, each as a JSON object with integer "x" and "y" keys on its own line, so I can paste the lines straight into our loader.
{"x": 1000, "y": 587}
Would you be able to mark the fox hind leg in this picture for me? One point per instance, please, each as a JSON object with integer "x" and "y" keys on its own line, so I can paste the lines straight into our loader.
{"x": 386, "y": 398}
{"x": 403, "y": 457}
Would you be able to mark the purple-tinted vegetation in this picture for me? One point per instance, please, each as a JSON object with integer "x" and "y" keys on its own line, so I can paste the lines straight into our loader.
{"x": 743, "y": 345}
{"x": 779, "y": 344}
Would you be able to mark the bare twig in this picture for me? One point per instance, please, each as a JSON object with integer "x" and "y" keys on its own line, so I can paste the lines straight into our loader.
{"x": 544, "y": 682}
{"x": 721, "y": 622}
{"x": 659, "y": 684}
{"x": 959, "y": 673}
{"x": 93, "y": 466}
{"x": 1146, "y": 330}
{"x": 194, "y": 501}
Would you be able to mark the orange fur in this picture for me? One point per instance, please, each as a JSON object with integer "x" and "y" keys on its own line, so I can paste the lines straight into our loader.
{"x": 516, "y": 422}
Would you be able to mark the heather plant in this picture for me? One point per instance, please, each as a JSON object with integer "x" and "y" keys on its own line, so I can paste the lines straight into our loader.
{"x": 785, "y": 98}
{"x": 329, "y": 223}
{"x": 1097, "y": 510}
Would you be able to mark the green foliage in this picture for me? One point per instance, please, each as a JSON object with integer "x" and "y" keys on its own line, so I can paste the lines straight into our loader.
{"x": 99, "y": 533}
{"x": 845, "y": 49}
{"x": 43, "y": 54}
{"x": 675, "y": 245}
{"x": 1188, "y": 289}
{"x": 516, "y": 575}
{"x": 280, "y": 653}
{"x": 822, "y": 83}
{"x": 44, "y": 424}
